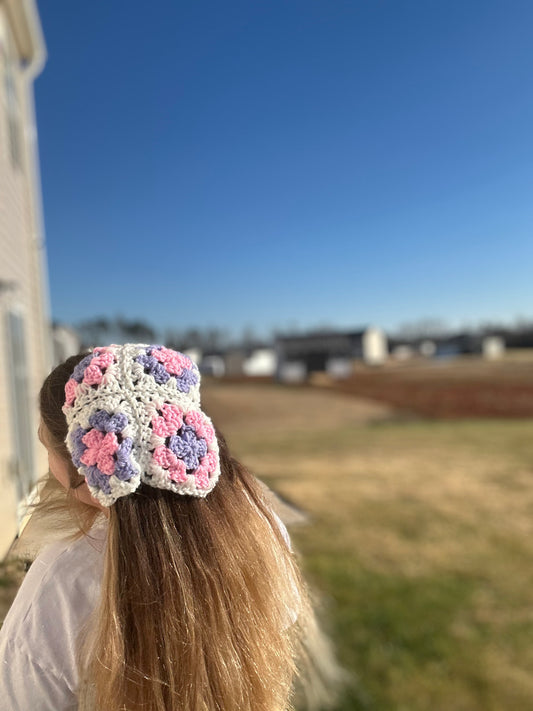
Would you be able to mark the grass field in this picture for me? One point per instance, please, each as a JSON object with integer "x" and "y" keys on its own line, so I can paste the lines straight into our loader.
{"x": 420, "y": 539}
{"x": 467, "y": 386}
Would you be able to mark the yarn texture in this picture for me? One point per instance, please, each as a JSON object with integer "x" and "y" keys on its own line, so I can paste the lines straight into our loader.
{"x": 133, "y": 414}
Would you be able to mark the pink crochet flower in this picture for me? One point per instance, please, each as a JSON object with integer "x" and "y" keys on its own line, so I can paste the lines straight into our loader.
{"x": 95, "y": 370}
{"x": 201, "y": 476}
{"x": 208, "y": 464}
{"x": 100, "y": 450}
{"x": 104, "y": 358}
{"x": 70, "y": 392}
{"x": 210, "y": 461}
{"x": 169, "y": 423}
{"x": 203, "y": 428}
{"x": 173, "y": 361}
{"x": 164, "y": 457}
{"x": 168, "y": 460}
{"x": 178, "y": 472}
{"x": 93, "y": 375}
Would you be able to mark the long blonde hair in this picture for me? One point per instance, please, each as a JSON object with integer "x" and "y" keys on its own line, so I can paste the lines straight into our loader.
{"x": 203, "y": 606}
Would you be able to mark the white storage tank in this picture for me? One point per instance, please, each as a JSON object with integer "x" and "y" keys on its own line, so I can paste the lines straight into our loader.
{"x": 375, "y": 347}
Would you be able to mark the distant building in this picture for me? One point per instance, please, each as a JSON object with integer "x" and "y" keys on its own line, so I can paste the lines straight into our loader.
{"x": 339, "y": 368}
{"x": 195, "y": 354}
{"x": 488, "y": 346}
{"x": 25, "y": 342}
{"x": 66, "y": 343}
{"x": 470, "y": 344}
{"x": 299, "y": 356}
{"x": 402, "y": 351}
{"x": 492, "y": 347}
{"x": 213, "y": 364}
{"x": 239, "y": 361}
{"x": 234, "y": 361}
{"x": 427, "y": 348}
{"x": 405, "y": 350}
{"x": 292, "y": 371}
{"x": 260, "y": 362}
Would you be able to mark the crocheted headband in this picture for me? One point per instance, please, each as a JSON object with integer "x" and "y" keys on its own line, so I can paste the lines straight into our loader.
{"x": 133, "y": 415}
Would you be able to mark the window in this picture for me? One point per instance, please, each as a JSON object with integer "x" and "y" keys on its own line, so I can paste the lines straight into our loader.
{"x": 13, "y": 120}
{"x": 12, "y": 107}
{"x": 21, "y": 418}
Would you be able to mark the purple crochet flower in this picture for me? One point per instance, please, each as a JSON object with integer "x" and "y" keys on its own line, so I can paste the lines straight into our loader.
{"x": 104, "y": 422}
{"x": 124, "y": 469}
{"x": 154, "y": 368}
{"x": 186, "y": 380}
{"x": 79, "y": 370}
{"x": 102, "y": 358}
{"x": 163, "y": 363}
{"x": 77, "y": 446}
{"x": 97, "y": 479}
{"x": 188, "y": 447}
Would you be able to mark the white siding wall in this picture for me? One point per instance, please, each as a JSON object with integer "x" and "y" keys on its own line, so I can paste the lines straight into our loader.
{"x": 22, "y": 267}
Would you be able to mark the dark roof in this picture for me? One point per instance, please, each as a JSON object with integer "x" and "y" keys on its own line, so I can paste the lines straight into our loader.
{"x": 325, "y": 335}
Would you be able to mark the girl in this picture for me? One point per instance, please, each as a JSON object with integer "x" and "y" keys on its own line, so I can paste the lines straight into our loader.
{"x": 179, "y": 591}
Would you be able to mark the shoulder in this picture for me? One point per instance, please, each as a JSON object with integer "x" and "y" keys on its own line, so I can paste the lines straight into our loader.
{"x": 27, "y": 684}
{"x": 63, "y": 570}
{"x": 55, "y": 598}
{"x": 69, "y": 555}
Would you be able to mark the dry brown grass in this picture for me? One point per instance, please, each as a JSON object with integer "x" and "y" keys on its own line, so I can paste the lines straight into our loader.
{"x": 420, "y": 537}
{"x": 432, "y": 519}
{"x": 468, "y": 386}
{"x": 251, "y": 408}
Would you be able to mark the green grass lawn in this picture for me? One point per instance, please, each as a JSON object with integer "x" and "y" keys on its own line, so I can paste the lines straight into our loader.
{"x": 419, "y": 540}
{"x": 421, "y": 543}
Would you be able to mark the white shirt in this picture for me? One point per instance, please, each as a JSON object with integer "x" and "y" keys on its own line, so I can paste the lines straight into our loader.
{"x": 38, "y": 638}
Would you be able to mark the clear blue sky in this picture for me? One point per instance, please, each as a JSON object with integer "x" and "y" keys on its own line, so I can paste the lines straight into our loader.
{"x": 269, "y": 162}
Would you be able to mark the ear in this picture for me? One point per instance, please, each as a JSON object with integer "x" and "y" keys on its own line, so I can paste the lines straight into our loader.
{"x": 76, "y": 479}
{"x": 82, "y": 493}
